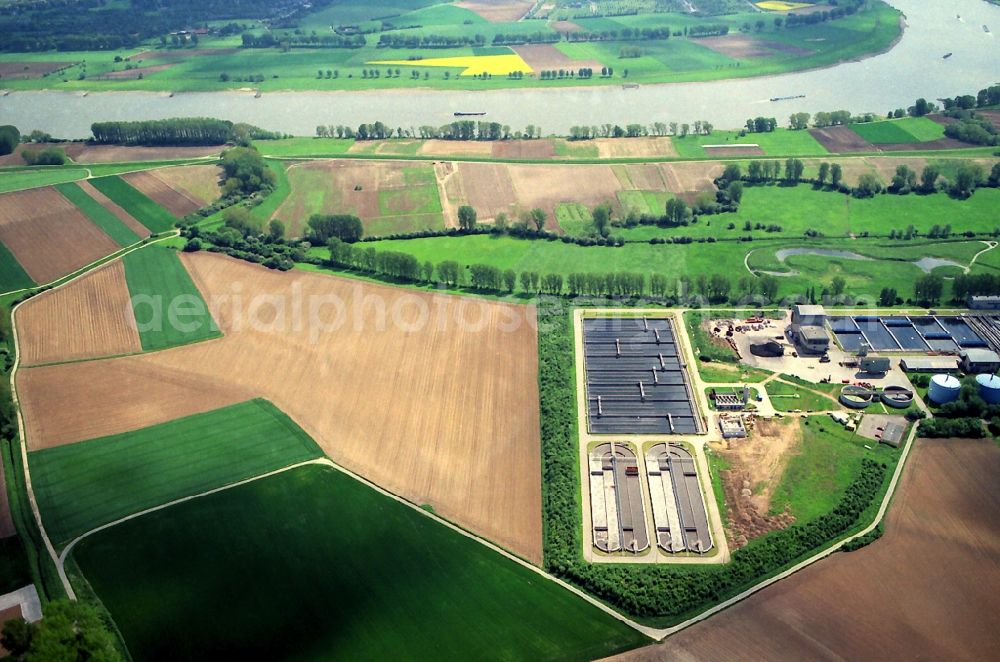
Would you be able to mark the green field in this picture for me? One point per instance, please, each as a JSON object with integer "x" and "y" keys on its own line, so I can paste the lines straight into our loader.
{"x": 85, "y": 485}
{"x": 788, "y": 397}
{"x": 282, "y": 189}
{"x": 304, "y": 147}
{"x": 319, "y": 566}
{"x": 136, "y": 203}
{"x": 159, "y": 284}
{"x": 780, "y": 142}
{"x": 21, "y": 179}
{"x": 822, "y": 467}
{"x": 12, "y": 274}
{"x": 678, "y": 59}
{"x": 907, "y": 130}
{"x": 112, "y": 226}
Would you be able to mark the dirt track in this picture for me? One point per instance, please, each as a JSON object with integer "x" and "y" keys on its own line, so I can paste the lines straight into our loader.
{"x": 444, "y": 413}
{"x": 95, "y": 311}
{"x": 48, "y": 235}
{"x": 929, "y": 589}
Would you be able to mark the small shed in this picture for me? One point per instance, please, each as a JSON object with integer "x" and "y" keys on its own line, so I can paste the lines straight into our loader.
{"x": 974, "y": 361}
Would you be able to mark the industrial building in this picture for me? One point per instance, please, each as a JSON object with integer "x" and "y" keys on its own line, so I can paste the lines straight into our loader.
{"x": 808, "y": 329}
{"x": 973, "y": 361}
{"x": 935, "y": 364}
{"x": 678, "y": 508}
{"x": 899, "y": 333}
{"x": 984, "y": 302}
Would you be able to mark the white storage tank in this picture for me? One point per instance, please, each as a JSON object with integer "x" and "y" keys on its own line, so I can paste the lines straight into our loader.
{"x": 944, "y": 389}
{"x": 989, "y": 388}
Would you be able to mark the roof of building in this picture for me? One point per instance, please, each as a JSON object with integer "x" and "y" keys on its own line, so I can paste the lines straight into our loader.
{"x": 930, "y": 363}
{"x": 976, "y": 355}
{"x": 984, "y": 297}
{"x": 813, "y": 333}
{"x": 810, "y": 310}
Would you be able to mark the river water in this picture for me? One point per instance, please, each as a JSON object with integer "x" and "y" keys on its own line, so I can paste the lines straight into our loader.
{"x": 913, "y": 68}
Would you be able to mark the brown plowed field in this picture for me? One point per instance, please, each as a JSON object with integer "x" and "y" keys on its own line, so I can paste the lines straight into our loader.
{"x": 16, "y": 70}
{"x": 645, "y": 177}
{"x": 96, "y": 310}
{"x": 852, "y": 168}
{"x": 497, "y": 11}
{"x": 110, "y": 205}
{"x": 126, "y": 74}
{"x": 443, "y": 412}
{"x": 485, "y": 186}
{"x": 546, "y": 186}
{"x": 841, "y": 140}
{"x": 691, "y": 176}
{"x": 48, "y": 235}
{"x": 928, "y": 590}
{"x": 612, "y": 148}
{"x": 456, "y": 148}
{"x": 176, "y": 201}
{"x": 524, "y": 149}
{"x": 196, "y": 182}
{"x": 547, "y": 56}
{"x": 735, "y": 46}
{"x": 84, "y": 153}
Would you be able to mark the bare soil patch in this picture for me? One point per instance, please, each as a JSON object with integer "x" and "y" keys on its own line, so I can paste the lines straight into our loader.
{"x": 72, "y": 150}
{"x": 941, "y": 143}
{"x": 566, "y": 26}
{"x": 646, "y": 177}
{"x": 436, "y": 412}
{"x": 91, "y": 318}
{"x": 524, "y": 149}
{"x": 611, "y": 148}
{"x": 547, "y": 56}
{"x": 841, "y": 140}
{"x": 485, "y": 186}
{"x": 200, "y": 183}
{"x": 545, "y": 186}
{"x": 110, "y": 205}
{"x": 21, "y": 70}
{"x": 497, "y": 11}
{"x": 992, "y": 115}
{"x": 176, "y": 201}
{"x": 885, "y": 167}
{"x": 736, "y": 46}
{"x": 853, "y": 168}
{"x": 117, "y": 153}
{"x": 757, "y": 464}
{"x": 928, "y": 589}
{"x": 48, "y": 235}
{"x": 691, "y": 177}
{"x": 732, "y": 150}
{"x": 456, "y": 148}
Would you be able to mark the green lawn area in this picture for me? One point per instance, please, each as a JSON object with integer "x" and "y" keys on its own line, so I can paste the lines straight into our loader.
{"x": 136, "y": 203}
{"x": 84, "y": 485}
{"x": 159, "y": 284}
{"x": 112, "y": 226}
{"x": 780, "y": 142}
{"x": 12, "y": 274}
{"x": 905, "y": 130}
{"x": 822, "y": 467}
{"x": 22, "y": 179}
{"x": 312, "y": 564}
{"x": 304, "y": 147}
{"x": 788, "y": 397}
{"x": 282, "y": 189}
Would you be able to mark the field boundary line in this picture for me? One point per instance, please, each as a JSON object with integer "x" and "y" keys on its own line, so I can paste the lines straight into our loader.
{"x": 33, "y": 502}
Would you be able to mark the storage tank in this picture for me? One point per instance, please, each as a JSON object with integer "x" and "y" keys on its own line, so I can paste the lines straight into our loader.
{"x": 989, "y": 388}
{"x": 944, "y": 389}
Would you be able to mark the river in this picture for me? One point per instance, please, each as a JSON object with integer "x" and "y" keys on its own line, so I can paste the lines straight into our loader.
{"x": 913, "y": 68}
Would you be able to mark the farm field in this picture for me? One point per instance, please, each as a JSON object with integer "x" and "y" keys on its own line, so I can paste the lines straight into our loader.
{"x": 200, "y": 184}
{"x": 91, "y": 318}
{"x": 28, "y": 179}
{"x": 48, "y": 235}
{"x": 465, "y": 421}
{"x": 82, "y": 486}
{"x": 84, "y": 153}
{"x": 12, "y": 274}
{"x": 431, "y": 593}
{"x": 907, "y": 130}
{"x": 388, "y": 197}
{"x": 127, "y": 219}
{"x": 166, "y": 190}
{"x": 160, "y": 286}
{"x": 104, "y": 219}
{"x": 679, "y": 59}
{"x": 783, "y": 142}
{"x": 944, "y": 521}
{"x": 136, "y": 203}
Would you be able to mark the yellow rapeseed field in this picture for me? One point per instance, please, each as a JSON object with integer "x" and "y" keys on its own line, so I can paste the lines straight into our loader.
{"x": 497, "y": 65}
{"x": 780, "y": 5}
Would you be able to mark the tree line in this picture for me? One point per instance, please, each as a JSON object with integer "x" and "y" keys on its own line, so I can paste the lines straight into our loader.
{"x": 177, "y": 131}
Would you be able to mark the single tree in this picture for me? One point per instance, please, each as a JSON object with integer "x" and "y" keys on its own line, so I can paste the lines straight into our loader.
{"x": 538, "y": 216}
{"x": 466, "y": 217}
